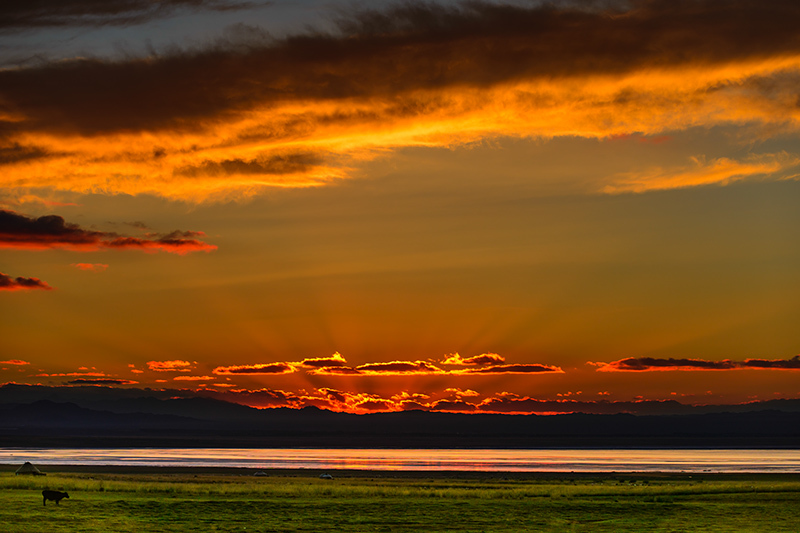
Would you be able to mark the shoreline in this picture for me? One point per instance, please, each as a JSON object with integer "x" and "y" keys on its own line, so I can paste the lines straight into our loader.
{"x": 138, "y": 470}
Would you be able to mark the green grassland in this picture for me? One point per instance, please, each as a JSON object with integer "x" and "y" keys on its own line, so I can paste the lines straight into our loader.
{"x": 295, "y": 502}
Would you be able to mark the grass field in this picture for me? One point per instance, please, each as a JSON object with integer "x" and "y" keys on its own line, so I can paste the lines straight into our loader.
{"x": 294, "y": 502}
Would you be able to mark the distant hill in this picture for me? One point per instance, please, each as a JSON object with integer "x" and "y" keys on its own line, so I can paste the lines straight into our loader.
{"x": 130, "y": 420}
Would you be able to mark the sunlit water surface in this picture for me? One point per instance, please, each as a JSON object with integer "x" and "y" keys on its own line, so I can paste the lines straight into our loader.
{"x": 465, "y": 460}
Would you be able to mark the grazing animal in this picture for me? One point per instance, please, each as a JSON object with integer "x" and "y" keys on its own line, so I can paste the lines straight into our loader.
{"x": 54, "y": 495}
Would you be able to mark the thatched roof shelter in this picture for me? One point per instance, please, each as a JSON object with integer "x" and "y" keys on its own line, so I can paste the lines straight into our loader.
{"x": 29, "y": 469}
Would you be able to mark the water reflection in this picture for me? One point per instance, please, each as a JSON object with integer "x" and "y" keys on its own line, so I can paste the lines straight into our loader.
{"x": 464, "y": 460}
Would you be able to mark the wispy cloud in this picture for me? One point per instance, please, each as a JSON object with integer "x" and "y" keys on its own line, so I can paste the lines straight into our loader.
{"x": 17, "y": 362}
{"x": 721, "y": 171}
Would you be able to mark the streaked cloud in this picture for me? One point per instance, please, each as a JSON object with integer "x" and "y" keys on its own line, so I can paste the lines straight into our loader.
{"x": 52, "y": 231}
{"x": 194, "y": 378}
{"x": 721, "y": 171}
{"x": 513, "y": 369}
{"x": 649, "y": 364}
{"x": 103, "y": 381}
{"x": 16, "y": 362}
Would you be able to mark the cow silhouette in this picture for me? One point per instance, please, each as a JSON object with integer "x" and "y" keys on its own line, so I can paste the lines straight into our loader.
{"x": 54, "y": 495}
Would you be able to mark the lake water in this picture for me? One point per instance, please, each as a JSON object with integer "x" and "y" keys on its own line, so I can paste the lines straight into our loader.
{"x": 731, "y": 461}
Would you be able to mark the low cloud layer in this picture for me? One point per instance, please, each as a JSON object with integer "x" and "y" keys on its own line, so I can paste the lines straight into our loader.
{"x": 337, "y": 365}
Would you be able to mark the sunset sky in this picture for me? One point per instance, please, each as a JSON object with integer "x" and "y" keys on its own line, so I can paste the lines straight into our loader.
{"x": 518, "y": 206}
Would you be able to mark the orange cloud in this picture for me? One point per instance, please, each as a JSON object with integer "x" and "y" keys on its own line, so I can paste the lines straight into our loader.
{"x": 305, "y": 110}
{"x": 717, "y": 172}
{"x": 7, "y": 283}
{"x": 170, "y": 366}
{"x": 14, "y": 362}
{"x": 193, "y": 378}
{"x": 91, "y": 267}
{"x": 51, "y": 231}
{"x": 336, "y": 360}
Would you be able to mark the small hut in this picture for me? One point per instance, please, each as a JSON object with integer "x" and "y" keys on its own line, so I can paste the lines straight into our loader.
{"x": 30, "y": 470}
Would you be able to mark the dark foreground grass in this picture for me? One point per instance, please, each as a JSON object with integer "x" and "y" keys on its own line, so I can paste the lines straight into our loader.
{"x": 184, "y": 502}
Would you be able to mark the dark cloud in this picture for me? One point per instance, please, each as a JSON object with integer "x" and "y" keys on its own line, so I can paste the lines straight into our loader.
{"x": 510, "y": 404}
{"x": 15, "y": 153}
{"x": 453, "y": 405}
{"x": 483, "y": 359}
{"x": 374, "y": 405}
{"x": 412, "y": 46}
{"x": 780, "y": 364}
{"x": 399, "y": 367}
{"x": 635, "y": 364}
{"x": 7, "y": 283}
{"x": 16, "y": 14}
{"x": 270, "y": 368}
{"x": 335, "y": 371}
{"x": 102, "y": 382}
{"x": 513, "y": 369}
{"x": 52, "y": 231}
{"x": 280, "y": 164}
